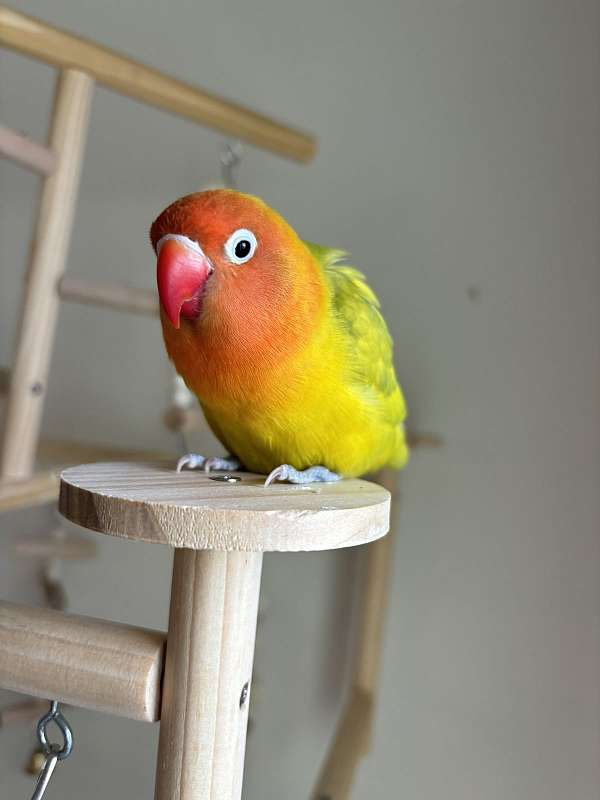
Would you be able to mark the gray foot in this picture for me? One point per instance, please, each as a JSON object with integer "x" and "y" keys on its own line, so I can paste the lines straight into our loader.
{"x": 228, "y": 464}
{"x": 194, "y": 460}
{"x": 311, "y": 475}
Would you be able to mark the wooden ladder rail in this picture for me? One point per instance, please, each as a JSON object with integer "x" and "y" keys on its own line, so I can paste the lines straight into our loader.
{"x": 48, "y": 256}
{"x": 351, "y": 741}
{"x": 64, "y": 50}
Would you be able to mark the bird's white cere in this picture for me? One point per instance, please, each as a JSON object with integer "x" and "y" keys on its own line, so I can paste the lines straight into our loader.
{"x": 241, "y": 246}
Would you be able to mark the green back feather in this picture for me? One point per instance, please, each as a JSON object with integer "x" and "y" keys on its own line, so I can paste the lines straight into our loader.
{"x": 356, "y": 307}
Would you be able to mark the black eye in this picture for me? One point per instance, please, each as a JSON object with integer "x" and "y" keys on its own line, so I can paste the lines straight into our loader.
{"x": 243, "y": 248}
{"x": 240, "y": 246}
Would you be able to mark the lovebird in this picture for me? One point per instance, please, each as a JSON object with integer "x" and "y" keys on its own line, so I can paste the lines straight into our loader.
{"x": 282, "y": 343}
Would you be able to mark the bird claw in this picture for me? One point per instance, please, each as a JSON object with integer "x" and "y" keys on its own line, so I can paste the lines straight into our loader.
{"x": 191, "y": 461}
{"x": 277, "y": 474}
{"x": 228, "y": 464}
{"x": 318, "y": 474}
{"x": 194, "y": 460}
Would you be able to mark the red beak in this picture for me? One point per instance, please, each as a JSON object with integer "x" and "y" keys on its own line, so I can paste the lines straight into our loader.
{"x": 182, "y": 270}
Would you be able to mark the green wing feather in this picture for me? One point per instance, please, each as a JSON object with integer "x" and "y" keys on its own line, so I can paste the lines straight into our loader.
{"x": 370, "y": 345}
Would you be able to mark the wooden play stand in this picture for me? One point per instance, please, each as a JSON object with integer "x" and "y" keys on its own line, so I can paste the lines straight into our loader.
{"x": 219, "y": 531}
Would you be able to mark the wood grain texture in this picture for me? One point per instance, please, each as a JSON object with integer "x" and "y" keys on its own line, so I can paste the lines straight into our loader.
{"x": 208, "y": 671}
{"x": 152, "y": 502}
{"x": 54, "y": 46}
{"x": 26, "y": 151}
{"x": 48, "y": 256}
{"x": 86, "y": 662}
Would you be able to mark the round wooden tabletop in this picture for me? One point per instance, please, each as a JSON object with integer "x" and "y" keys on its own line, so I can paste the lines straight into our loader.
{"x": 154, "y": 503}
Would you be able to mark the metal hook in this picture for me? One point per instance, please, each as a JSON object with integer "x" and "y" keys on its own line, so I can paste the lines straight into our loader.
{"x": 54, "y": 715}
{"x": 230, "y": 158}
{"x": 53, "y": 752}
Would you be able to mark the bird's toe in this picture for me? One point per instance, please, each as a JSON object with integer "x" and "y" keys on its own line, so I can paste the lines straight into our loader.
{"x": 317, "y": 474}
{"x": 229, "y": 464}
{"x": 191, "y": 461}
{"x": 280, "y": 473}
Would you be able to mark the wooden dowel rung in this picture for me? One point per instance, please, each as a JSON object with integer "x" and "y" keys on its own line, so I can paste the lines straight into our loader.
{"x": 416, "y": 439}
{"x": 109, "y": 295}
{"x": 184, "y": 419}
{"x": 61, "y": 49}
{"x": 4, "y": 380}
{"x": 82, "y": 661}
{"x": 34, "y": 491}
{"x": 26, "y": 151}
{"x": 65, "y": 546}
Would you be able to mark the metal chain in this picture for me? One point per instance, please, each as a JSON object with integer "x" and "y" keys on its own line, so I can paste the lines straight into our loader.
{"x": 53, "y": 751}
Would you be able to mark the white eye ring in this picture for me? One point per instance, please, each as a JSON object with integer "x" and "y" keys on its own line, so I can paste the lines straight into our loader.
{"x": 235, "y": 243}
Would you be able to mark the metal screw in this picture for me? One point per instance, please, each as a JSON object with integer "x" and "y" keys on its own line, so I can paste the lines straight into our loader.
{"x": 230, "y": 157}
{"x": 225, "y": 478}
{"x": 37, "y": 388}
{"x": 244, "y": 694}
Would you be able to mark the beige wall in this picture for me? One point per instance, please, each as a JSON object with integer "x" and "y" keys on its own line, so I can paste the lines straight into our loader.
{"x": 459, "y": 162}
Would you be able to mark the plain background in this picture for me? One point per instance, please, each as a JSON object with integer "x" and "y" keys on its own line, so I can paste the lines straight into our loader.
{"x": 459, "y": 163}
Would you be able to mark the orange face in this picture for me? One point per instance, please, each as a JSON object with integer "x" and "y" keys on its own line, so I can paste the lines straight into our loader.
{"x": 233, "y": 277}
{"x": 222, "y": 254}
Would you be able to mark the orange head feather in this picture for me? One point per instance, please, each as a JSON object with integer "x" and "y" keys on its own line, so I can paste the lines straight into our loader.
{"x": 240, "y": 292}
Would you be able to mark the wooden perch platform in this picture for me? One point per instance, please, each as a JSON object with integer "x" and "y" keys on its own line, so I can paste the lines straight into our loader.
{"x": 152, "y": 502}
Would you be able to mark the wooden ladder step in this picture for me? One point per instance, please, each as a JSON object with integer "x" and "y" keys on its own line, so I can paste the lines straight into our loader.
{"x": 119, "y": 297}
{"x": 23, "y": 493}
{"x": 53, "y": 456}
{"x": 26, "y": 151}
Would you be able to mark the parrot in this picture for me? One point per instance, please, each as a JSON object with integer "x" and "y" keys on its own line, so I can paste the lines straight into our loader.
{"x": 283, "y": 343}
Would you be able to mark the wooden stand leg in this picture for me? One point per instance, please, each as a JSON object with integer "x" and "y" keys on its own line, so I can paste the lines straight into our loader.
{"x": 208, "y": 669}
